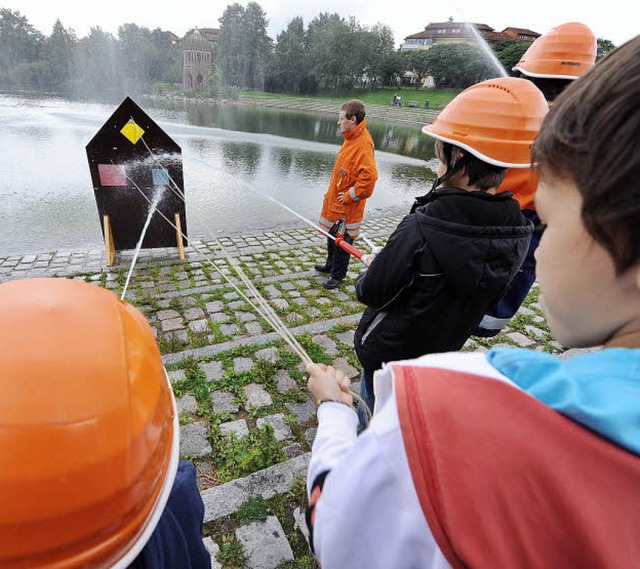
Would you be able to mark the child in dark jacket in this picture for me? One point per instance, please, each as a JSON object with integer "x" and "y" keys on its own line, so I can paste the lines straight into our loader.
{"x": 456, "y": 254}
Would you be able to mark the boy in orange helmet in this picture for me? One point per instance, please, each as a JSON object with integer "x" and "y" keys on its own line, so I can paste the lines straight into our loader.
{"x": 447, "y": 262}
{"x": 551, "y": 63}
{"x": 89, "y": 433}
{"x": 513, "y": 458}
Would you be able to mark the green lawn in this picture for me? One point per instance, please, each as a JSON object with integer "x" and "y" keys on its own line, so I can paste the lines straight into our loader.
{"x": 380, "y": 96}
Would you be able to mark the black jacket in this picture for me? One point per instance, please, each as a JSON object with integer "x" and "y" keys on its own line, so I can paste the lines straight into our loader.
{"x": 441, "y": 269}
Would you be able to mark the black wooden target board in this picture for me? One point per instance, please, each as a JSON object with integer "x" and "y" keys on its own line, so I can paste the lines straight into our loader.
{"x": 133, "y": 162}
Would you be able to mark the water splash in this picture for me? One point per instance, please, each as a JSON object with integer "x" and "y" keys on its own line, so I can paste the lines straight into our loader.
{"x": 488, "y": 52}
{"x": 156, "y": 200}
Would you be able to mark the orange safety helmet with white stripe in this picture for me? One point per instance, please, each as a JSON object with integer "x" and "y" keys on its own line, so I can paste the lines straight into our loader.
{"x": 565, "y": 52}
{"x": 496, "y": 120}
{"x": 89, "y": 431}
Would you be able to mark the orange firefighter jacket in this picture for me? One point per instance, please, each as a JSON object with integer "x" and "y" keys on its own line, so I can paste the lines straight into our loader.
{"x": 355, "y": 174}
{"x": 523, "y": 183}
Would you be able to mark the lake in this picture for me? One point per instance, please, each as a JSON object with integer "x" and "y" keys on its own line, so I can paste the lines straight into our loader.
{"x": 232, "y": 156}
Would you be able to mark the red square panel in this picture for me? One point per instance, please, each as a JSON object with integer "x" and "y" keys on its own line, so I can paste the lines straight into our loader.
{"x": 112, "y": 175}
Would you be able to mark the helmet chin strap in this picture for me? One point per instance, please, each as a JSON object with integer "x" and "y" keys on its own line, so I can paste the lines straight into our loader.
{"x": 450, "y": 173}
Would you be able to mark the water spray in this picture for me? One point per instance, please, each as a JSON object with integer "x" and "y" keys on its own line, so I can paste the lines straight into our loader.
{"x": 261, "y": 306}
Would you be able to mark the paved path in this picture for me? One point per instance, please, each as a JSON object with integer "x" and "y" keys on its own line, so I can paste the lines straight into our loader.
{"x": 246, "y": 420}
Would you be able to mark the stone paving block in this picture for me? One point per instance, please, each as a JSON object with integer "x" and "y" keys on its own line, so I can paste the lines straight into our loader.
{"x": 343, "y": 365}
{"x": 180, "y": 335}
{"x": 229, "y": 329}
{"x": 225, "y": 499}
{"x": 188, "y": 301}
{"x": 257, "y": 396}
{"x": 303, "y": 412}
{"x": 327, "y": 344}
{"x": 253, "y": 328}
{"x": 242, "y": 364}
{"x": 300, "y": 523}
{"x": 535, "y": 332}
{"x": 186, "y": 403}
{"x": 212, "y": 370}
{"x": 220, "y": 317}
{"x": 281, "y": 430}
{"x": 294, "y": 294}
{"x": 520, "y": 339}
{"x": 238, "y": 427}
{"x": 269, "y": 354}
{"x": 302, "y": 301}
{"x": 213, "y": 548}
{"x": 199, "y": 325}
{"x": 293, "y": 450}
{"x": 223, "y": 402}
{"x": 280, "y": 303}
{"x": 215, "y": 306}
{"x": 194, "y": 313}
{"x": 272, "y": 291}
{"x": 172, "y": 324}
{"x": 236, "y": 304}
{"x": 167, "y": 314}
{"x": 230, "y": 295}
{"x": 294, "y": 318}
{"x": 265, "y": 544}
{"x": 310, "y": 435}
{"x": 176, "y": 375}
{"x": 245, "y": 316}
{"x": 284, "y": 381}
{"x": 193, "y": 439}
{"x": 287, "y": 286}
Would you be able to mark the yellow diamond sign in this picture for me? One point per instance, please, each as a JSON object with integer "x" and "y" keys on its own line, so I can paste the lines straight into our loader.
{"x": 132, "y": 131}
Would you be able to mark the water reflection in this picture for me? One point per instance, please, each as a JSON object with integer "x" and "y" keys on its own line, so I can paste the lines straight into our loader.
{"x": 46, "y": 195}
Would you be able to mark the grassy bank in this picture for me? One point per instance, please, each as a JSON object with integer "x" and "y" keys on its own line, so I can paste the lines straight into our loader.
{"x": 378, "y": 97}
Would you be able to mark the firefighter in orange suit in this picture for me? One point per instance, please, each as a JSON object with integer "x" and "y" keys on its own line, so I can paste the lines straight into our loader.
{"x": 552, "y": 62}
{"x": 352, "y": 181}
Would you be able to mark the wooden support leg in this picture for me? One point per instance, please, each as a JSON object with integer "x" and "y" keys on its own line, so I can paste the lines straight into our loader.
{"x": 109, "y": 245}
{"x": 179, "y": 239}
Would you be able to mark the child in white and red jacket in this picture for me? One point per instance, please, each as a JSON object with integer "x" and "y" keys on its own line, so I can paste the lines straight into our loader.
{"x": 513, "y": 458}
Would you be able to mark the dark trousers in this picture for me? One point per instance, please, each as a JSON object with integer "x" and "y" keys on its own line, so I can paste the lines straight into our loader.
{"x": 499, "y": 315}
{"x": 337, "y": 258}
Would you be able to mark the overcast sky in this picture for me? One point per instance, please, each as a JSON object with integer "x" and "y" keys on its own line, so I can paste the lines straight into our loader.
{"x": 610, "y": 19}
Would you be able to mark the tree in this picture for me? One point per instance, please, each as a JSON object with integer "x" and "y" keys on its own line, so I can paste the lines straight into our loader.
{"x": 98, "y": 64}
{"x": 458, "y": 65}
{"x": 290, "y": 70}
{"x": 604, "y": 47}
{"x": 20, "y": 42}
{"x": 243, "y": 51}
{"x": 230, "y": 52}
{"x": 327, "y": 51}
{"x": 256, "y": 45}
{"x": 509, "y": 53}
{"x": 60, "y": 52}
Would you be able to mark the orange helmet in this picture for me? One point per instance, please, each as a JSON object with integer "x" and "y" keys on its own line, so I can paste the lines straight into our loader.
{"x": 495, "y": 120}
{"x": 88, "y": 427}
{"x": 565, "y": 52}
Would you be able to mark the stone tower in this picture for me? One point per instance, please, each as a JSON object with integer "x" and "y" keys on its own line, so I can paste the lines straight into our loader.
{"x": 196, "y": 61}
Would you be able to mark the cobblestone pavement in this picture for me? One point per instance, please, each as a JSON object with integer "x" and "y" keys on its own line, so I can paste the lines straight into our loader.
{"x": 246, "y": 420}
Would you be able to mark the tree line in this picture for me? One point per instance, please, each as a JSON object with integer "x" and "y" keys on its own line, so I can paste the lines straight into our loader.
{"x": 330, "y": 54}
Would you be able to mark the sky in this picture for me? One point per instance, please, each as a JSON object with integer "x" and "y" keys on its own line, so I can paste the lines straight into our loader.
{"x": 609, "y": 20}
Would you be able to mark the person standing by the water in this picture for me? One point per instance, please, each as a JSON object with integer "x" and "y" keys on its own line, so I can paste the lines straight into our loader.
{"x": 352, "y": 181}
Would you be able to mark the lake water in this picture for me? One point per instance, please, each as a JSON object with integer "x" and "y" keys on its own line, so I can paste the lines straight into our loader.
{"x": 232, "y": 155}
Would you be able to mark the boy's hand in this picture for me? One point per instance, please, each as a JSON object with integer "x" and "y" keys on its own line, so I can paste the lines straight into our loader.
{"x": 341, "y": 197}
{"x": 327, "y": 383}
